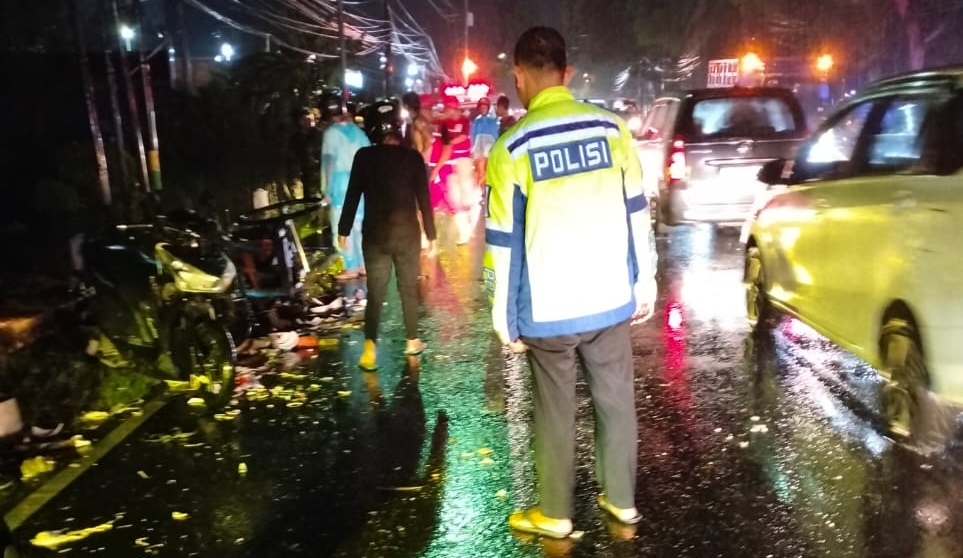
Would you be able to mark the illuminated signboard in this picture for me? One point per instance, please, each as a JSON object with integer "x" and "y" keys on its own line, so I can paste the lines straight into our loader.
{"x": 470, "y": 94}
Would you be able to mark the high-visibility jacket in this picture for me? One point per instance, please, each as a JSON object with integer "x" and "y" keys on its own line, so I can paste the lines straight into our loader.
{"x": 570, "y": 244}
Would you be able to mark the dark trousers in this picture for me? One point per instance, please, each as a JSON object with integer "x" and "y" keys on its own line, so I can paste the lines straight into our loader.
{"x": 378, "y": 263}
{"x": 606, "y": 357}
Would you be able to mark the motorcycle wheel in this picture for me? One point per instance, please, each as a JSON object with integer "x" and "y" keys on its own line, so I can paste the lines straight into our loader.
{"x": 203, "y": 353}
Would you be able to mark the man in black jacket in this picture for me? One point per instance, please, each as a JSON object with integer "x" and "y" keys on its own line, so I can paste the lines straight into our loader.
{"x": 393, "y": 180}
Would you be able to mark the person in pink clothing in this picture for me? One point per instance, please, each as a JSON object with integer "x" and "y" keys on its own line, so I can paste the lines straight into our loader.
{"x": 456, "y": 153}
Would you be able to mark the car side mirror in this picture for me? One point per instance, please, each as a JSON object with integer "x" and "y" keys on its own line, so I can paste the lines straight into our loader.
{"x": 774, "y": 172}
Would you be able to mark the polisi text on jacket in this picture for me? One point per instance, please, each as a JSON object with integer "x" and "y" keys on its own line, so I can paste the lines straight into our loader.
{"x": 566, "y": 159}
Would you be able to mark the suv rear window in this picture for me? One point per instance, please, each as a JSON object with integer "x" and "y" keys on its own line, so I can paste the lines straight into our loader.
{"x": 761, "y": 117}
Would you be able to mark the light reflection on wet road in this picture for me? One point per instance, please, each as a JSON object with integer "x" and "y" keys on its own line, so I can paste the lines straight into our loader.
{"x": 749, "y": 447}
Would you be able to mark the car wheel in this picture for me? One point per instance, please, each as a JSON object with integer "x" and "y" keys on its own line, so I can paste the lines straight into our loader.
{"x": 758, "y": 309}
{"x": 905, "y": 380}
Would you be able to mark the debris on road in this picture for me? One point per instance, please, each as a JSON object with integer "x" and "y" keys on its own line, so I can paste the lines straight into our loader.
{"x": 55, "y": 539}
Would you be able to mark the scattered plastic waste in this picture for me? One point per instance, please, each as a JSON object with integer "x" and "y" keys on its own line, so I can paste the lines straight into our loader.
{"x": 196, "y": 402}
{"x": 95, "y": 416}
{"x": 284, "y": 340}
{"x": 35, "y": 466}
{"x": 179, "y": 516}
{"x": 242, "y": 468}
{"x": 56, "y": 539}
{"x": 176, "y": 436}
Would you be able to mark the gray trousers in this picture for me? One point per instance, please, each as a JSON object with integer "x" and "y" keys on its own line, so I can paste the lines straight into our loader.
{"x": 606, "y": 356}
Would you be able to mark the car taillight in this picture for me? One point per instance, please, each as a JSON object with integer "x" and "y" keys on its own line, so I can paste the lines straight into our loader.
{"x": 675, "y": 167}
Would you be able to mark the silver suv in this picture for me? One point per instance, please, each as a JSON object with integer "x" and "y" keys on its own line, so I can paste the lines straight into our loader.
{"x": 702, "y": 149}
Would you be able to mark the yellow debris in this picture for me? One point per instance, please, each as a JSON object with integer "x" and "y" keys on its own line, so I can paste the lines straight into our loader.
{"x": 143, "y": 475}
{"x": 179, "y": 516}
{"x": 196, "y": 402}
{"x": 95, "y": 416}
{"x": 344, "y": 393}
{"x": 290, "y": 376}
{"x": 295, "y": 404}
{"x": 242, "y": 468}
{"x": 141, "y": 541}
{"x": 178, "y": 385}
{"x": 224, "y": 416}
{"x": 328, "y": 342}
{"x": 30, "y": 468}
{"x": 54, "y": 539}
{"x": 487, "y": 461}
{"x": 79, "y": 441}
{"x": 327, "y": 378}
{"x": 501, "y": 494}
{"x": 484, "y": 451}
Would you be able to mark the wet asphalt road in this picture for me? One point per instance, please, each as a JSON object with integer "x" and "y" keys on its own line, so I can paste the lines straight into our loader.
{"x": 749, "y": 447}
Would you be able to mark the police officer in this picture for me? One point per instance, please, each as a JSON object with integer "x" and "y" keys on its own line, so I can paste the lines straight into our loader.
{"x": 565, "y": 183}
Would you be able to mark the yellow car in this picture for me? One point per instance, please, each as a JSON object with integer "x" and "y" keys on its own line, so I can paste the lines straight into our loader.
{"x": 860, "y": 238}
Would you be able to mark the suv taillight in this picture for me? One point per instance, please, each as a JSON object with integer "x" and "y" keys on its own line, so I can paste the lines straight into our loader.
{"x": 675, "y": 167}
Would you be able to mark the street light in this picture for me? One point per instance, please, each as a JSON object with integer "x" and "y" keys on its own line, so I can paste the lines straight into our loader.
{"x": 227, "y": 51}
{"x": 468, "y": 67}
{"x": 502, "y": 56}
{"x": 825, "y": 63}
{"x": 413, "y": 70}
{"x": 751, "y": 63}
{"x": 127, "y": 34}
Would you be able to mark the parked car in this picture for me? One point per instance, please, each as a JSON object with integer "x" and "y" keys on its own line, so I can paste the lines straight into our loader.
{"x": 860, "y": 242}
{"x": 702, "y": 149}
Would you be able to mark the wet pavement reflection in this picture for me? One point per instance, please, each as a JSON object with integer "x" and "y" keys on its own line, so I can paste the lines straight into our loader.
{"x": 750, "y": 446}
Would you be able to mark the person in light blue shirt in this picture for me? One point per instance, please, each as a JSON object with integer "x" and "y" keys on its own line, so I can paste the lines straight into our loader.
{"x": 341, "y": 141}
{"x": 484, "y": 131}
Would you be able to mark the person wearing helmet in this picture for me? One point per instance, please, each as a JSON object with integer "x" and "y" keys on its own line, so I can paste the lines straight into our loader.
{"x": 455, "y": 129}
{"x": 380, "y": 118}
{"x": 393, "y": 182}
{"x": 341, "y": 140}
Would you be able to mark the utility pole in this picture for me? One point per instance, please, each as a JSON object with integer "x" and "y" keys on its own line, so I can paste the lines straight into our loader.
{"x": 185, "y": 70}
{"x": 388, "y": 67}
{"x": 153, "y": 154}
{"x": 131, "y": 102}
{"x": 342, "y": 47}
{"x": 90, "y": 96}
{"x": 118, "y": 117}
